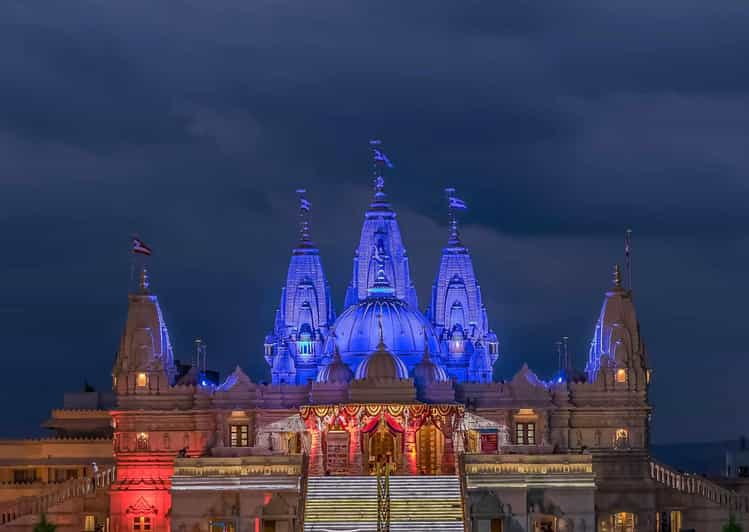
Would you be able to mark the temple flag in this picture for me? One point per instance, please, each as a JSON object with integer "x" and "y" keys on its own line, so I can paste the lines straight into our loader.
{"x": 140, "y": 247}
{"x": 457, "y": 203}
{"x": 381, "y": 158}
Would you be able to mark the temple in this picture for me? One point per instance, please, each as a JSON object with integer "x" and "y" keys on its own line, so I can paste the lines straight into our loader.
{"x": 382, "y": 417}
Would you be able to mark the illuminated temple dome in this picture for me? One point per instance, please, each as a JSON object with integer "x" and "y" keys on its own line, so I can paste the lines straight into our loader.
{"x": 356, "y": 329}
{"x": 382, "y": 364}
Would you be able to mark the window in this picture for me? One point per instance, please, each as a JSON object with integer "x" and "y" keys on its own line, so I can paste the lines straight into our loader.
{"x": 24, "y": 476}
{"x": 222, "y": 526}
{"x": 239, "y": 436}
{"x": 621, "y": 439}
{"x": 141, "y": 523}
{"x": 525, "y": 434}
{"x": 89, "y": 523}
{"x": 675, "y": 518}
{"x": 141, "y": 442}
{"x": 621, "y": 375}
{"x": 141, "y": 380}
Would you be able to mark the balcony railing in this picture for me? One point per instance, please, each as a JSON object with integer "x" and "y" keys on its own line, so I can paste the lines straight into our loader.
{"x": 38, "y": 504}
{"x": 697, "y": 485}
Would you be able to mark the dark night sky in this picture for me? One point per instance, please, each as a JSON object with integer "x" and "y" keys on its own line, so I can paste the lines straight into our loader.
{"x": 192, "y": 123}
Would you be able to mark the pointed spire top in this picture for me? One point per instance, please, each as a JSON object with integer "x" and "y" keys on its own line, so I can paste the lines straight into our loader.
{"x": 305, "y": 240}
{"x": 336, "y": 354}
{"x": 454, "y": 204}
{"x": 379, "y": 161}
{"x": 144, "y": 283}
{"x": 617, "y": 279}
{"x": 427, "y": 356}
{"x": 381, "y": 344}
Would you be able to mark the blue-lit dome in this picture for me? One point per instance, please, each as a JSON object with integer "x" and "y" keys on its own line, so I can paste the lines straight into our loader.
{"x": 356, "y": 331}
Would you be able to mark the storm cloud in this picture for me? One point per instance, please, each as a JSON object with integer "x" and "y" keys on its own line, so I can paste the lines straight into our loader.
{"x": 192, "y": 123}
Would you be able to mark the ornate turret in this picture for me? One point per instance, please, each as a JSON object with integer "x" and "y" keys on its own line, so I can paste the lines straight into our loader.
{"x": 457, "y": 312}
{"x": 617, "y": 350}
{"x": 337, "y": 371}
{"x": 382, "y": 364}
{"x": 145, "y": 361}
{"x": 380, "y": 245}
{"x": 427, "y": 372}
{"x": 306, "y": 312}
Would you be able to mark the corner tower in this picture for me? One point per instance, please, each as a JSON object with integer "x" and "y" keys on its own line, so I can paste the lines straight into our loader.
{"x": 305, "y": 312}
{"x": 145, "y": 361}
{"x": 380, "y": 246}
{"x": 457, "y": 312}
{"x": 617, "y": 354}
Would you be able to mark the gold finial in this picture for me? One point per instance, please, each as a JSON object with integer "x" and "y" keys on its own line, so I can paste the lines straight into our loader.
{"x": 144, "y": 283}
{"x": 617, "y": 276}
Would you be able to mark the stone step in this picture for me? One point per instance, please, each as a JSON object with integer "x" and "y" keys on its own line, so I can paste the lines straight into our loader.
{"x": 349, "y": 504}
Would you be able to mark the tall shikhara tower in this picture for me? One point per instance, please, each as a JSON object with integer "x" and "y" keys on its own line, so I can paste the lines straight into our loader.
{"x": 295, "y": 347}
{"x": 469, "y": 347}
{"x": 380, "y": 245}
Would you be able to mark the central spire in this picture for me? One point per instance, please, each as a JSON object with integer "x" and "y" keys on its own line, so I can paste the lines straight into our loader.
{"x": 380, "y": 251}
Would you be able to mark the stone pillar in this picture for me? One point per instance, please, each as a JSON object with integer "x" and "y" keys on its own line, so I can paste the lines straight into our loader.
{"x": 316, "y": 466}
{"x": 410, "y": 459}
{"x": 355, "y": 451}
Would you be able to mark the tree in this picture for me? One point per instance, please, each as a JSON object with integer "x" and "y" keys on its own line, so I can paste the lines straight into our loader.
{"x": 44, "y": 526}
{"x": 732, "y": 525}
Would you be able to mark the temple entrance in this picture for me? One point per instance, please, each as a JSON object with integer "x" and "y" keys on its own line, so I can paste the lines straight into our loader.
{"x": 430, "y": 446}
{"x": 382, "y": 443}
{"x": 623, "y": 522}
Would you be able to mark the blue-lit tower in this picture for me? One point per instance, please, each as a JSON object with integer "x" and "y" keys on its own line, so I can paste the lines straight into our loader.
{"x": 468, "y": 347}
{"x": 380, "y": 245}
{"x": 302, "y": 323}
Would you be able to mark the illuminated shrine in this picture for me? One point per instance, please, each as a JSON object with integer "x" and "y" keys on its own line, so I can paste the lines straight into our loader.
{"x": 383, "y": 415}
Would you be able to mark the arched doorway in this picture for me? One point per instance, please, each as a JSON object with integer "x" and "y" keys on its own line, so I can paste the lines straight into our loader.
{"x": 380, "y": 443}
{"x": 430, "y": 446}
{"x": 619, "y": 522}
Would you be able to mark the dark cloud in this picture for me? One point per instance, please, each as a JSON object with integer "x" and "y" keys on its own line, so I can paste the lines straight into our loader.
{"x": 192, "y": 123}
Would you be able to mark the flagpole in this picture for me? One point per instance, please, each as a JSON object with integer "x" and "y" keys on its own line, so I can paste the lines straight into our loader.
{"x": 132, "y": 265}
{"x": 628, "y": 256}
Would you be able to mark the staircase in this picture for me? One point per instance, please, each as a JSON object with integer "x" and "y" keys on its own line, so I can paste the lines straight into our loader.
{"x": 349, "y": 504}
{"x": 38, "y": 504}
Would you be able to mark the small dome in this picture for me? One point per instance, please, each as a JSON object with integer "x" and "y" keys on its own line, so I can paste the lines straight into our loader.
{"x": 427, "y": 372}
{"x": 337, "y": 371}
{"x": 382, "y": 364}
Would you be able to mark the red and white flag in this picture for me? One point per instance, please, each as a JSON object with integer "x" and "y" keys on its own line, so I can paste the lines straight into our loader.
{"x": 140, "y": 247}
